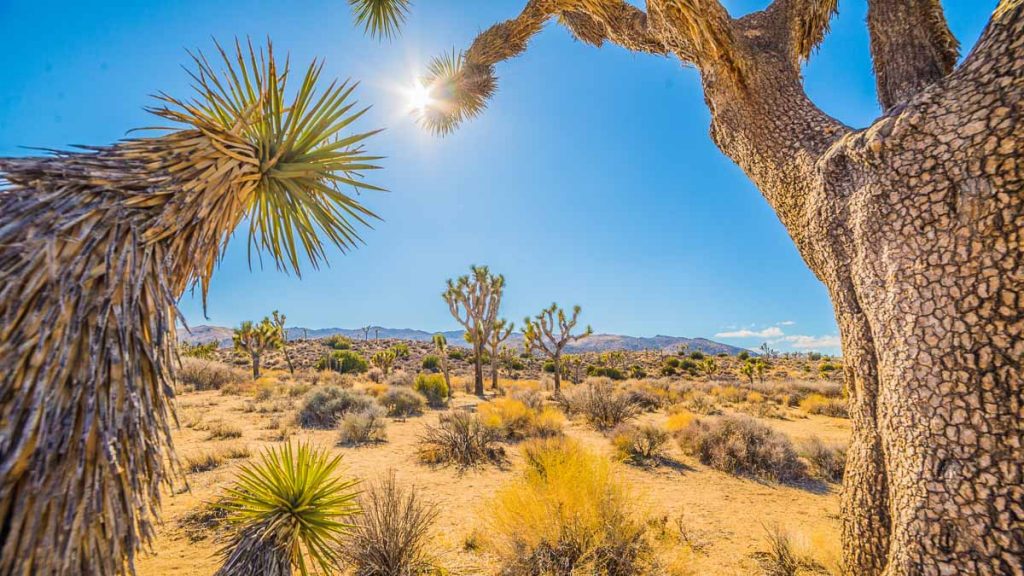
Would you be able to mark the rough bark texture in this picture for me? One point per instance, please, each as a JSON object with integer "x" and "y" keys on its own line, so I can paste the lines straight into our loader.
{"x": 913, "y": 224}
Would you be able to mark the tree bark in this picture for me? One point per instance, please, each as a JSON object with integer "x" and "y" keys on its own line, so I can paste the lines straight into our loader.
{"x": 558, "y": 373}
{"x": 914, "y": 226}
{"x": 255, "y": 366}
{"x": 478, "y": 370}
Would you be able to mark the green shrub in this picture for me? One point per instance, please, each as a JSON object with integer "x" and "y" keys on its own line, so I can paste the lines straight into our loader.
{"x": 401, "y": 350}
{"x": 549, "y": 367}
{"x": 433, "y": 387}
{"x": 696, "y": 355}
{"x": 325, "y": 407}
{"x": 402, "y": 402}
{"x": 456, "y": 353}
{"x": 202, "y": 351}
{"x": 672, "y": 362}
{"x": 741, "y": 445}
{"x": 743, "y": 355}
{"x": 605, "y": 372}
{"x": 343, "y": 362}
{"x": 431, "y": 363}
{"x": 338, "y": 342}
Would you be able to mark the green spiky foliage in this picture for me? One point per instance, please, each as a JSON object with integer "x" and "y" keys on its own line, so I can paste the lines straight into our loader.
{"x": 549, "y": 332}
{"x": 441, "y": 345}
{"x": 256, "y": 340}
{"x": 279, "y": 319}
{"x": 97, "y": 246}
{"x": 458, "y": 92}
{"x": 384, "y": 359}
{"x": 474, "y": 300}
{"x": 380, "y": 18}
{"x": 291, "y": 509}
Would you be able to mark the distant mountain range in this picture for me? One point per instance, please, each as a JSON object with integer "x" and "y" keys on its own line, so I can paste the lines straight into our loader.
{"x": 595, "y": 343}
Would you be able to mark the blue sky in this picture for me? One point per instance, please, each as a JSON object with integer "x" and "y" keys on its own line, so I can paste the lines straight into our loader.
{"x": 590, "y": 179}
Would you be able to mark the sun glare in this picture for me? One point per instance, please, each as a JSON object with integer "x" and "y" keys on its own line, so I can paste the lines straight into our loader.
{"x": 419, "y": 96}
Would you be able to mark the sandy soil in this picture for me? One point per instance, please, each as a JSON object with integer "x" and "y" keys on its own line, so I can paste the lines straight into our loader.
{"x": 728, "y": 515}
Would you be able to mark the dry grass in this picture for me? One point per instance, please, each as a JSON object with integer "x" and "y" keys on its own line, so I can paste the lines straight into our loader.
{"x": 461, "y": 439}
{"x": 742, "y": 446}
{"x": 643, "y": 445}
{"x": 820, "y": 404}
{"x": 199, "y": 374}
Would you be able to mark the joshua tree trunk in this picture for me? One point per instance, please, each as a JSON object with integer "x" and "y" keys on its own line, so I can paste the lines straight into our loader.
{"x": 557, "y": 360}
{"x": 255, "y": 366}
{"x": 478, "y": 370}
{"x": 914, "y": 226}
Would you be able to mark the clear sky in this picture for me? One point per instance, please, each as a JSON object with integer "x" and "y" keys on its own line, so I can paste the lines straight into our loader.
{"x": 591, "y": 178}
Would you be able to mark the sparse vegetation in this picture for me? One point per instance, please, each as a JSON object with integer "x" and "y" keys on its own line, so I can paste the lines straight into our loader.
{"x": 820, "y": 404}
{"x": 741, "y": 445}
{"x": 363, "y": 427}
{"x": 392, "y": 535}
{"x": 433, "y": 387}
{"x": 202, "y": 374}
{"x": 549, "y": 332}
{"x": 642, "y": 444}
{"x": 343, "y": 362}
{"x": 402, "y": 402}
{"x": 324, "y": 407}
{"x": 461, "y": 439}
{"x": 828, "y": 461}
{"x": 599, "y": 403}
{"x": 566, "y": 514}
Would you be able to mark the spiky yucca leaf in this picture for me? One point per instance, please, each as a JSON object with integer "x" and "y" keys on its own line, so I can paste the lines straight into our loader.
{"x": 303, "y": 159}
{"x": 289, "y": 506}
{"x": 96, "y": 248}
{"x": 380, "y": 18}
{"x": 458, "y": 91}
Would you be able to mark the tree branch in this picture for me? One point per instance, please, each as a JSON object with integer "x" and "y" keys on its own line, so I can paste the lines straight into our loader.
{"x": 911, "y": 46}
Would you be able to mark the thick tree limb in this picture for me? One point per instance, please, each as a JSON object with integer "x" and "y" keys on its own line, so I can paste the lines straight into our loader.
{"x": 911, "y": 46}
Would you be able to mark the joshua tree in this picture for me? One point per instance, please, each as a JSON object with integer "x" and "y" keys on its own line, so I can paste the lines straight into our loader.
{"x": 283, "y": 341}
{"x": 366, "y": 333}
{"x": 709, "y": 366}
{"x": 441, "y": 344}
{"x": 474, "y": 301}
{"x": 383, "y": 359}
{"x": 96, "y": 247}
{"x": 290, "y": 509}
{"x": 499, "y": 333}
{"x": 574, "y": 361}
{"x": 912, "y": 223}
{"x": 549, "y": 332}
{"x": 747, "y": 369}
{"x": 256, "y": 340}
{"x": 761, "y": 368}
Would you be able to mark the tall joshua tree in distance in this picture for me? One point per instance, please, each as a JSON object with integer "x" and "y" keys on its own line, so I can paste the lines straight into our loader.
{"x": 549, "y": 332}
{"x": 501, "y": 331}
{"x": 441, "y": 345}
{"x": 96, "y": 247}
{"x": 912, "y": 223}
{"x": 256, "y": 340}
{"x": 279, "y": 320}
{"x": 474, "y": 301}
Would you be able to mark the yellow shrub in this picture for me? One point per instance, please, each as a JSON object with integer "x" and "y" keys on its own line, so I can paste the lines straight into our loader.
{"x": 821, "y": 404}
{"x": 549, "y": 422}
{"x": 512, "y": 418}
{"x": 679, "y": 420}
{"x": 376, "y": 390}
{"x": 729, "y": 394}
{"x": 755, "y": 397}
{"x": 567, "y": 509}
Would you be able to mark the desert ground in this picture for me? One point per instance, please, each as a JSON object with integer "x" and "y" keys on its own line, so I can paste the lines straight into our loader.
{"x": 702, "y": 520}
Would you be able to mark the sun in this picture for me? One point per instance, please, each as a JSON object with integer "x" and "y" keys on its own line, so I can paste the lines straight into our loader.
{"x": 418, "y": 96}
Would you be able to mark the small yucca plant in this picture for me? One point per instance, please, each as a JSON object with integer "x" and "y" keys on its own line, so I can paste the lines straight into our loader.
{"x": 291, "y": 509}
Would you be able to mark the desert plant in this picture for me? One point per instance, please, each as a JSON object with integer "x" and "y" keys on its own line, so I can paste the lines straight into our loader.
{"x": 402, "y": 402}
{"x": 549, "y": 332}
{"x": 820, "y": 404}
{"x": 383, "y": 359}
{"x": 566, "y": 514}
{"x": 741, "y": 445}
{"x": 499, "y": 333}
{"x": 701, "y": 403}
{"x": 461, "y": 439}
{"x": 391, "y": 536}
{"x": 157, "y": 222}
{"x": 401, "y": 350}
{"x": 400, "y": 378}
{"x": 599, "y": 403}
{"x": 431, "y": 363}
{"x": 338, "y": 342}
{"x": 278, "y": 320}
{"x": 474, "y": 301}
{"x": 433, "y": 387}
{"x": 828, "y": 461}
{"x": 343, "y": 362}
{"x": 290, "y": 509}
{"x": 510, "y": 418}
{"x": 642, "y": 444}
{"x": 256, "y": 340}
{"x": 325, "y": 406}
{"x": 201, "y": 351}
{"x": 202, "y": 374}
{"x": 747, "y": 369}
{"x": 441, "y": 345}
{"x": 362, "y": 427}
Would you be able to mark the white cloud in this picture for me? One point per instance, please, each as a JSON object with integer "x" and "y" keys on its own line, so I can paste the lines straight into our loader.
{"x": 786, "y": 323}
{"x": 772, "y": 332}
{"x": 803, "y": 342}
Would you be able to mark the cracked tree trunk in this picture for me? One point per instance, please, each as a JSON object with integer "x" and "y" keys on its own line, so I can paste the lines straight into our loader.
{"x": 914, "y": 225}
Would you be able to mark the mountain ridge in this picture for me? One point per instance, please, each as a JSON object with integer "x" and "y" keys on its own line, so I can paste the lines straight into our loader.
{"x": 204, "y": 333}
